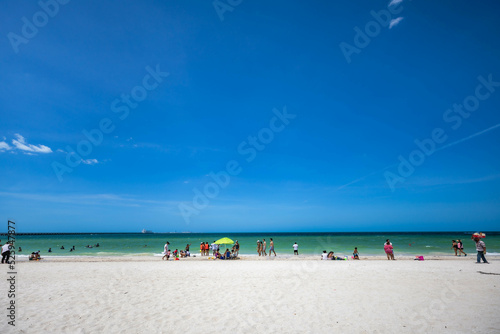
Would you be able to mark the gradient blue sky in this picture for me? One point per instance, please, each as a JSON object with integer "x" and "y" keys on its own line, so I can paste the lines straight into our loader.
{"x": 326, "y": 170}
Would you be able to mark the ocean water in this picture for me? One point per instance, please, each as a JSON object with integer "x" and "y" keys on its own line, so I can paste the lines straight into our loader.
{"x": 368, "y": 243}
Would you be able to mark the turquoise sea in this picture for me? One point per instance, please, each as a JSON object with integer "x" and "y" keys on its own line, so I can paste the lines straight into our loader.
{"x": 368, "y": 243}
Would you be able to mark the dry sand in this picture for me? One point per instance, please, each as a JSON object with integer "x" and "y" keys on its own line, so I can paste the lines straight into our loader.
{"x": 147, "y": 295}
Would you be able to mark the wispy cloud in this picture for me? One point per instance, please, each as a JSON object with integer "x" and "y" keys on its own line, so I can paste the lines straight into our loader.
{"x": 90, "y": 161}
{"x": 21, "y": 144}
{"x": 364, "y": 177}
{"x": 469, "y": 137}
{"x": 439, "y": 149}
{"x": 394, "y": 2}
{"x": 91, "y": 199}
{"x": 443, "y": 181}
{"x": 395, "y": 22}
{"x": 4, "y": 146}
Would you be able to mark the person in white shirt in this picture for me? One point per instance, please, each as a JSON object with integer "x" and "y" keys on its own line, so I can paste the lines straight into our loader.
{"x": 165, "y": 251}
{"x": 6, "y": 252}
{"x": 214, "y": 248}
{"x": 480, "y": 247}
{"x": 324, "y": 256}
{"x": 295, "y": 249}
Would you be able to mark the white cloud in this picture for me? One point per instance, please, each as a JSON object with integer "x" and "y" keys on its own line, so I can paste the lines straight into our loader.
{"x": 4, "y": 146}
{"x": 90, "y": 161}
{"x": 394, "y": 2}
{"x": 21, "y": 144}
{"x": 395, "y": 22}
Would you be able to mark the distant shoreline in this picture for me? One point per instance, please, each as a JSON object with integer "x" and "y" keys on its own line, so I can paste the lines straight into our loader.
{"x": 274, "y": 233}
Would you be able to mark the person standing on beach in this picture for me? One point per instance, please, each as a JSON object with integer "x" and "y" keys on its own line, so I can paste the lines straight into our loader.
{"x": 355, "y": 254}
{"x": 259, "y": 247}
{"x": 271, "y": 247}
{"x": 480, "y": 247}
{"x": 264, "y": 246}
{"x": 165, "y": 251}
{"x": 454, "y": 246}
{"x": 389, "y": 251}
{"x": 6, "y": 252}
{"x": 295, "y": 249}
{"x": 214, "y": 248}
{"x": 236, "y": 248}
{"x": 460, "y": 246}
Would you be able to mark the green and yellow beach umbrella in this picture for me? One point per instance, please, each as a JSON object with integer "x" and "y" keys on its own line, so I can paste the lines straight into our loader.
{"x": 224, "y": 241}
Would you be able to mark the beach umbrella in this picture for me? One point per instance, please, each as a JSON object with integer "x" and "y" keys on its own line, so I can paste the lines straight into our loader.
{"x": 224, "y": 241}
{"x": 479, "y": 235}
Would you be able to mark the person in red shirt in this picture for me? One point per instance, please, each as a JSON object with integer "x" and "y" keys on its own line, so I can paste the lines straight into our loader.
{"x": 389, "y": 251}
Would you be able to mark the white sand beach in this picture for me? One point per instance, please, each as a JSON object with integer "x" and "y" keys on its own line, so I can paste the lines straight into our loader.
{"x": 301, "y": 295}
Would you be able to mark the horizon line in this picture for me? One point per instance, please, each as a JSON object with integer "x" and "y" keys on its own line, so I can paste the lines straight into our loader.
{"x": 257, "y": 232}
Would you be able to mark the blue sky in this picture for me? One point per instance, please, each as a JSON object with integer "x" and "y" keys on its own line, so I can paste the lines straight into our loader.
{"x": 308, "y": 112}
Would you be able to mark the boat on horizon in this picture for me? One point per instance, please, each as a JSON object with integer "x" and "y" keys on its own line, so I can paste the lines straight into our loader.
{"x": 146, "y": 231}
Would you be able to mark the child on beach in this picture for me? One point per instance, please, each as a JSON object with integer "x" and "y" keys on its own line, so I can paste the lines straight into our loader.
{"x": 355, "y": 254}
{"x": 166, "y": 252}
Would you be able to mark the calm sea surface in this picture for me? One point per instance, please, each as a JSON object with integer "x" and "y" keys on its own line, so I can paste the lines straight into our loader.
{"x": 370, "y": 243}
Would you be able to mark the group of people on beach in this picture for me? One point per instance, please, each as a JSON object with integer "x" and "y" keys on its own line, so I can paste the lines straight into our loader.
{"x": 262, "y": 246}
{"x": 458, "y": 247}
{"x": 205, "y": 249}
{"x": 331, "y": 255}
{"x": 176, "y": 254}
